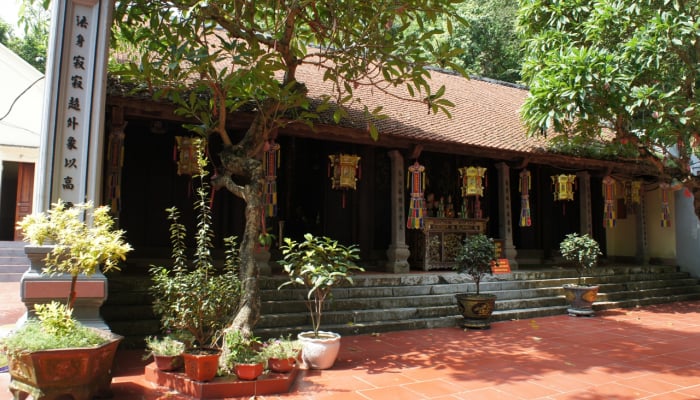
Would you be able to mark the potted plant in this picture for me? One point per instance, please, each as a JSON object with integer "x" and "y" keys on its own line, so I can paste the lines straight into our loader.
{"x": 583, "y": 252}
{"x": 475, "y": 258}
{"x": 166, "y": 352}
{"x": 281, "y": 353}
{"x": 193, "y": 296}
{"x": 243, "y": 355}
{"x": 319, "y": 264}
{"x": 41, "y": 350}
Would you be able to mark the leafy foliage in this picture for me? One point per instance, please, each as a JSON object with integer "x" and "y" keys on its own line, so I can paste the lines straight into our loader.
{"x": 79, "y": 247}
{"x": 582, "y": 250}
{"x": 488, "y": 40}
{"x": 196, "y": 299}
{"x": 319, "y": 264}
{"x": 475, "y": 257}
{"x": 32, "y": 44}
{"x": 165, "y": 346}
{"x": 623, "y": 66}
{"x": 240, "y": 349}
{"x": 284, "y": 347}
{"x": 54, "y": 329}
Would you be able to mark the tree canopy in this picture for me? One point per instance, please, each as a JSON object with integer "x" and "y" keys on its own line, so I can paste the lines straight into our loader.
{"x": 32, "y": 45}
{"x": 488, "y": 40}
{"x": 627, "y": 67}
{"x": 216, "y": 58}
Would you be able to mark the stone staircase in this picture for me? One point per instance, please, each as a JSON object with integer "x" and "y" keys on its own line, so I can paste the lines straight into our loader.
{"x": 379, "y": 303}
{"x": 386, "y": 302}
{"x": 13, "y": 261}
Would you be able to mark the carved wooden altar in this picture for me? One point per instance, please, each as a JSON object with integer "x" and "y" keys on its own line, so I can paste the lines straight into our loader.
{"x": 436, "y": 245}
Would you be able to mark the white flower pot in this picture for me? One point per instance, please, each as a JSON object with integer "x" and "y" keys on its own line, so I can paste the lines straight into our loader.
{"x": 321, "y": 352}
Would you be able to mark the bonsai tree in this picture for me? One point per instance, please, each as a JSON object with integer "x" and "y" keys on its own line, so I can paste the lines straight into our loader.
{"x": 319, "y": 264}
{"x": 475, "y": 257}
{"x": 583, "y": 251}
{"x": 83, "y": 239}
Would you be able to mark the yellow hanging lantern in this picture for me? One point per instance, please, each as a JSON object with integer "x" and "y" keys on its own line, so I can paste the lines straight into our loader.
{"x": 472, "y": 179}
{"x": 563, "y": 186}
{"x": 636, "y": 192}
{"x": 187, "y": 163}
{"x": 344, "y": 171}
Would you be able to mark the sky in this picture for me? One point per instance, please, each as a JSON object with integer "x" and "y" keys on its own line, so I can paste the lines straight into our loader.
{"x": 8, "y": 12}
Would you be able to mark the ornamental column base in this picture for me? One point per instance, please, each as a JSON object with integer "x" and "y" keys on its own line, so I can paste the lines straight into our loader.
{"x": 397, "y": 259}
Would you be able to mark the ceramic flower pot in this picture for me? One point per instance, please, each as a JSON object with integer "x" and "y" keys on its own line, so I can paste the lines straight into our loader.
{"x": 319, "y": 352}
{"x": 581, "y": 299}
{"x": 78, "y": 372}
{"x": 201, "y": 364}
{"x": 281, "y": 365}
{"x": 476, "y": 309}
{"x": 248, "y": 372}
{"x": 168, "y": 363}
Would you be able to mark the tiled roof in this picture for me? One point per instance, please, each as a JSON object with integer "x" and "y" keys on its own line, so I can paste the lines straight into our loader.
{"x": 486, "y": 113}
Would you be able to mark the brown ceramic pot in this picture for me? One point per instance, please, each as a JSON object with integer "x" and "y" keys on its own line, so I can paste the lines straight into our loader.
{"x": 201, "y": 364}
{"x": 281, "y": 365}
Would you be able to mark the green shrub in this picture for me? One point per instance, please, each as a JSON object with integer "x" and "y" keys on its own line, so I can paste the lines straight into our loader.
{"x": 475, "y": 257}
{"x": 583, "y": 251}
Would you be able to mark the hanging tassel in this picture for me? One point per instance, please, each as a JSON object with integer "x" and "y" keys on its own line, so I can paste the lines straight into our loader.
{"x": 609, "y": 194}
{"x": 417, "y": 207}
{"x": 525, "y": 186}
{"x": 271, "y": 163}
{"x": 665, "y": 208}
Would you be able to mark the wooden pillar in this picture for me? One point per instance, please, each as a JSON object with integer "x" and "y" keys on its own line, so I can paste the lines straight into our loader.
{"x": 398, "y": 252}
{"x": 642, "y": 246}
{"x": 585, "y": 215}
{"x": 505, "y": 218}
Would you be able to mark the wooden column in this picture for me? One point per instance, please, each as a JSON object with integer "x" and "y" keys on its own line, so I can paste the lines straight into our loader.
{"x": 586, "y": 216}
{"x": 642, "y": 246}
{"x": 398, "y": 252}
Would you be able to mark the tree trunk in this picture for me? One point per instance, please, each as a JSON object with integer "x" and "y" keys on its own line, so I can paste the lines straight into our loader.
{"x": 249, "y": 308}
{"x": 244, "y": 160}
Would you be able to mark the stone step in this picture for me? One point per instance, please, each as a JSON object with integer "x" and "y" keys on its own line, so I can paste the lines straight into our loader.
{"x": 383, "y": 302}
{"x": 13, "y": 261}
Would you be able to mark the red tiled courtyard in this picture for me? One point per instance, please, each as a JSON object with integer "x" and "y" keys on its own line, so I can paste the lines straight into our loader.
{"x": 650, "y": 352}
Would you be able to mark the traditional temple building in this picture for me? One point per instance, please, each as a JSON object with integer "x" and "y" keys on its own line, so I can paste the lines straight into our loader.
{"x": 407, "y": 198}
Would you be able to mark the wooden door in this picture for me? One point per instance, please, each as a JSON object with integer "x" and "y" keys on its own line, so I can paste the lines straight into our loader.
{"x": 25, "y": 193}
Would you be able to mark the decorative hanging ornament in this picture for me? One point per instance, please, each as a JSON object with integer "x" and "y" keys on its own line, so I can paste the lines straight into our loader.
{"x": 344, "y": 171}
{"x": 270, "y": 165}
{"x": 416, "y": 186}
{"x": 665, "y": 208}
{"x": 609, "y": 196}
{"x": 525, "y": 186}
{"x": 472, "y": 180}
{"x": 563, "y": 186}
{"x": 115, "y": 162}
{"x": 186, "y": 147}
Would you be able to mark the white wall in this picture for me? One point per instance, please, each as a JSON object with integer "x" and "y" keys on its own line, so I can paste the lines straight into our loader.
{"x": 687, "y": 234}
